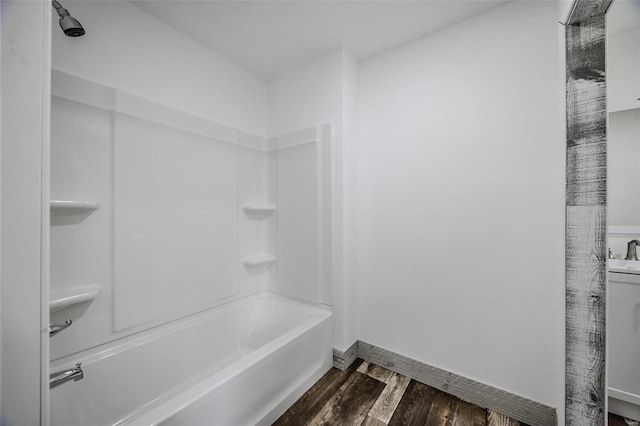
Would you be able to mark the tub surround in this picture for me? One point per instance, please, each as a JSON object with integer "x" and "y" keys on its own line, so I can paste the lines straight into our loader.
{"x": 228, "y": 223}
{"x": 25, "y": 56}
{"x": 102, "y": 138}
{"x": 266, "y": 200}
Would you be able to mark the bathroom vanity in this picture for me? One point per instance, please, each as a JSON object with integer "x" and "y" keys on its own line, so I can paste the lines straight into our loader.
{"x": 624, "y": 338}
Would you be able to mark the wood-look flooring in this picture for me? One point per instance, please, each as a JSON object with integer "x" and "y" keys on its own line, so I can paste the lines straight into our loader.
{"x": 369, "y": 395}
{"x": 615, "y": 420}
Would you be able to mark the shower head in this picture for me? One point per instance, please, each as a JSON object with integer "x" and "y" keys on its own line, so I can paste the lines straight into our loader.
{"x": 70, "y": 25}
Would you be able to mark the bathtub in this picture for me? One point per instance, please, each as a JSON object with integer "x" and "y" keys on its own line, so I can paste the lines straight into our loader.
{"x": 242, "y": 363}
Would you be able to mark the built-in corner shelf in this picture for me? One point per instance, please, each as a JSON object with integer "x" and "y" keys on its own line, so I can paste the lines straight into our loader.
{"x": 66, "y": 207}
{"x": 259, "y": 260}
{"x": 258, "y": 212}
{"x": 61, "y": 299}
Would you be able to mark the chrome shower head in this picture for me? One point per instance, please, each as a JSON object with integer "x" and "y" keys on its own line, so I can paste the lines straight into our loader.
{"x": 70, "y": 25}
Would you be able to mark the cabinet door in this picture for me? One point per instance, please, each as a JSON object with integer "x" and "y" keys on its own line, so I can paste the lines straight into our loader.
{"x": 624, "y": 337}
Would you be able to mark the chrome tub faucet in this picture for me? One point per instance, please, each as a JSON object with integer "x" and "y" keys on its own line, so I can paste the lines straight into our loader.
{"x": 61, "y": 377}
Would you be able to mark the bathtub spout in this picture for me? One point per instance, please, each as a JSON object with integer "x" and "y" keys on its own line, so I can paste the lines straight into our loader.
{"x": 75, "y": 374}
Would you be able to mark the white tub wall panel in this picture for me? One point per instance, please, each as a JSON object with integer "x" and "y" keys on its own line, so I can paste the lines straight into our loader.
{"x": 298, "y": 137}
{"x": 256, "y": 187}
{"x": 88, "y": 92}
{"x": 81, "y": 149}
{"x": 83, "y": 166}
{"x": 323, "y": 136}
{"x": 175, "y": 222}
{"x": 299, "y": 221}
{"x": 326, "y": 136}
{"x": 304, "y": 186}
{"x": 256, "y": 238}
{"x": 81, "y": 154}
{"x": 25, "y": 52}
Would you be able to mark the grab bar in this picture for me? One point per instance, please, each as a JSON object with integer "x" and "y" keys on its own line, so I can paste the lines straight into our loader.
{"x": 57, "y": 328}
{"x": 75, "y": 374}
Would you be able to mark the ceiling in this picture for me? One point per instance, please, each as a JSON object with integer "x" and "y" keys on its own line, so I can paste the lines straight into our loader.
{"x": 268, "y": 38}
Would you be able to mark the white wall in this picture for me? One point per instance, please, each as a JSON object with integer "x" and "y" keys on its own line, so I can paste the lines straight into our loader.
{"x": 623, "y": 63}
{"x": 564, "y": 9}
{"x": 320, "y": 92}
{"x": 350, "y": 211}
{"x": 461, "y": 201}
{"x": 125, "y": 48}
{"x": 25, "y": 51}
{"x": 307, "y": 96}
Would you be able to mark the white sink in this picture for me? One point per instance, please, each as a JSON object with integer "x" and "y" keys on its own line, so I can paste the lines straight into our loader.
{"x": 626, "y": 266}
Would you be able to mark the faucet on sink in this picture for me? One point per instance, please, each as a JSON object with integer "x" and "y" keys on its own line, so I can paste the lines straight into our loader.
{"x": 631, "y": 250}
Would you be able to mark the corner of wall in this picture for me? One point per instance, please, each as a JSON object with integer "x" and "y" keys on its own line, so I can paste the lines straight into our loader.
{"x": 324, "y": 91}
{"x": 563, "y": 11}
{"x": 350, "y": 195}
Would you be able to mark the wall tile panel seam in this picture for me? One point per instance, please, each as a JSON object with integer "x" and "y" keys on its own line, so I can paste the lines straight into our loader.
{"x": 76, "y": 89}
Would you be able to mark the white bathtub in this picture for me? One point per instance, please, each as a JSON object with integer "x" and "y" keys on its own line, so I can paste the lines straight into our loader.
{"x": 240, "y": 364}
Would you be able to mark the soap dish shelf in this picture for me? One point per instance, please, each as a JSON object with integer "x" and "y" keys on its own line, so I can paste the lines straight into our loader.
{"x": 259, "y": 212}
{"x": 66, "y": 207}
{"x": 61, "y": 299}
{"x": 259, "y": 260}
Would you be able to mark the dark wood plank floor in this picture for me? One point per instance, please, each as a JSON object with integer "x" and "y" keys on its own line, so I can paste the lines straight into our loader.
{"x": 367, "y": 394}
{"x": 615, "y": 420}
{"x": 370, "y": 395}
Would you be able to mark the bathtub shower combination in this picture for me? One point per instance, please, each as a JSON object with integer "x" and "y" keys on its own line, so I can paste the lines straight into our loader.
{"x": 190, "y": 260}
{"x": 239, "y": 364}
